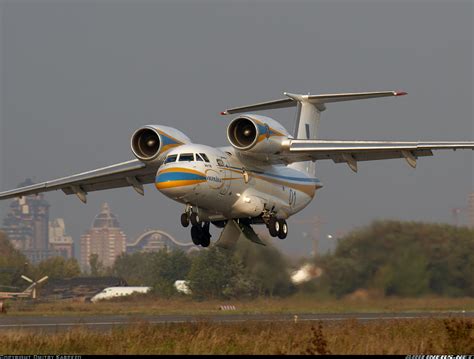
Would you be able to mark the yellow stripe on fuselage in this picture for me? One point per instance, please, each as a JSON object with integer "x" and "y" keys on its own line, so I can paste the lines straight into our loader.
{"x": 177, "y": 183}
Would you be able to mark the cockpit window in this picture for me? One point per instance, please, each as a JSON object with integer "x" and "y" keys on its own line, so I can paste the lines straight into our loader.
{"x": 203, "y": 155}
{"x": 171, "y": 158}
{"x": 199, "y": 158}
{"x": 186, "y": 157}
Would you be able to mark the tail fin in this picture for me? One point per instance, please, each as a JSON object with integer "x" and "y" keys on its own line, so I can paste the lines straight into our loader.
{"x": 309, "y": 108}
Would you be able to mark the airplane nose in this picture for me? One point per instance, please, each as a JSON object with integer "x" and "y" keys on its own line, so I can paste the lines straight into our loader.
{"x": 177, "y": 182}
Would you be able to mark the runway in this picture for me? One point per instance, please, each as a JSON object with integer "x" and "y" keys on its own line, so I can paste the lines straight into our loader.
{"x": 103, "y": 322}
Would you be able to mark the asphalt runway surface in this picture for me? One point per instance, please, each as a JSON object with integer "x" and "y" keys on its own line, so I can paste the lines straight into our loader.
{"x": 103, "y": 322}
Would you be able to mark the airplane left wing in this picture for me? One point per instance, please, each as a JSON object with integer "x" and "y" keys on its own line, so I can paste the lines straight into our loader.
{"x": 351, "y": 152}
{"x": 131, "y": 173}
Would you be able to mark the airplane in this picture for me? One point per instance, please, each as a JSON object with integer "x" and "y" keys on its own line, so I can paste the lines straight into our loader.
{"x": 113, "y": 292}
{"x": 265, "y": 176}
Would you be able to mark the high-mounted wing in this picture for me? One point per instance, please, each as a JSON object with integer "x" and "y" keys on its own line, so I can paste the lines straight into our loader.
{"x": 131, "y": 173}
{"x": 351, "y": 152}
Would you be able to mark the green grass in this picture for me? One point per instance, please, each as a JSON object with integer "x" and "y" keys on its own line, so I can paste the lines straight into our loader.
{"x": 295, "y": 304}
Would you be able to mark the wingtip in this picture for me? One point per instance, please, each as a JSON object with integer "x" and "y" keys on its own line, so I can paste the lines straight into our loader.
{"x": 400, "y": 93}
{"x": 223, "y": 113}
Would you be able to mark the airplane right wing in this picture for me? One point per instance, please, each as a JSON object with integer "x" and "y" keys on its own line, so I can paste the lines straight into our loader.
{"x": 351, "y": 152}
{"x": 131, "y": 173}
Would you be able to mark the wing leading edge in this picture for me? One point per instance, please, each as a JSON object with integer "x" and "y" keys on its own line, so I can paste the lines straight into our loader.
{"x": 131, "y": 173}
{"x": 351, "y": 152}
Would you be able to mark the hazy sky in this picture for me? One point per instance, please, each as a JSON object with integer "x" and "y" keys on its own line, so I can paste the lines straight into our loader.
{"x": 78, "y": 77}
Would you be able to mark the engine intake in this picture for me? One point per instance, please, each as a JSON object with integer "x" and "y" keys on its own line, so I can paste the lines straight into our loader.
{"x": 146, "y": 144}
{"x": 257, "y": 134}
{"x": 242, "y": 133}
{"x": 151, "y": 142}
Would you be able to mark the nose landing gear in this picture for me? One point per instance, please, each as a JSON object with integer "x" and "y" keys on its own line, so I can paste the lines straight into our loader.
{"x": 185, "y": 220}
{"x": 199, "y": 230}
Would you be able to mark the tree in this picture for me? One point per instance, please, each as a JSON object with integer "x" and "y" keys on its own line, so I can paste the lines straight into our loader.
{"x": 403, "y": 258}
{"x": 58, "y": 268}
{"x": 96, "y": 266}
{"x": 212, "y": 272}
{"x": 157, "y": 269}
{"x": 12, "y": 264}
{"x": 265, "y": 269}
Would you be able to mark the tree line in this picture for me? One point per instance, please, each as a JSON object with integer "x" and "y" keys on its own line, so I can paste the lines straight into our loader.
{"x": 392, "y": 257}
{"x": 402, "y": 259}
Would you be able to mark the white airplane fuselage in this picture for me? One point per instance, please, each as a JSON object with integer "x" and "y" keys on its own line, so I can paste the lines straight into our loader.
{"x": 224, "y": 188}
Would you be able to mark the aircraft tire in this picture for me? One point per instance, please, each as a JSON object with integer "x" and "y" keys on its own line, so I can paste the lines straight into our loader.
{"x": 273, "y": 227}
{"x": 194, "y": 219}
{"x": 283, "y": 232}
{"x": 185, "y": 220}
{"x": 205, "y": 240}
{"x": 196, "y": 235}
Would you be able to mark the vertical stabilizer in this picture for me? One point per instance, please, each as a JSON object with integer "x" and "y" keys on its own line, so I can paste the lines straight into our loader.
{"x": 307, "y": 123}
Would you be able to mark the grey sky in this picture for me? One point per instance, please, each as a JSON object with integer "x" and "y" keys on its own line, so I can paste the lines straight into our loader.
{"x": 78, "y": 77}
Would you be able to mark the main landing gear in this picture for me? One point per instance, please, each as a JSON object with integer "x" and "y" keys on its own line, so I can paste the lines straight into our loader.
{"x": 199, "y": 230}
{"x": 277, "y": 227}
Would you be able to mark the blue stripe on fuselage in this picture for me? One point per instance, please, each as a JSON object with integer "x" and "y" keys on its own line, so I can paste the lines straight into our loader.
{"x": 177, "y": 176}
{"x": 288, "y": 178}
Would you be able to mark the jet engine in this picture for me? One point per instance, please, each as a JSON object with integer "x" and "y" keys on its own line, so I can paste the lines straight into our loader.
{"x": 255, "y": 133}
{"x": 149, "y": 142}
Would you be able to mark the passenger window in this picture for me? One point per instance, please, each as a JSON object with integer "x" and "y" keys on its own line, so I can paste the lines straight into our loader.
{"x": 199, "y": 158}
{"x": 203, "y": 155}
{"x": 171, "y": 158}
{"x": 220, "y": 162}
{"x": 186, "y": 157}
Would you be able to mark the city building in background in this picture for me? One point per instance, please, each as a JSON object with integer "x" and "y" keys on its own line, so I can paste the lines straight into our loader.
{"x": 27, "y": 225}
{"x": 59, "y": 242}
{"x": 154, "y": 240}
{"x": 105, "y": 239}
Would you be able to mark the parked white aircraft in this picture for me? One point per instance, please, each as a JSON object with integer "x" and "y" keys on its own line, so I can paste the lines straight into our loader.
{"x": 266, "y": 176}
{"x": 114, "y": 292}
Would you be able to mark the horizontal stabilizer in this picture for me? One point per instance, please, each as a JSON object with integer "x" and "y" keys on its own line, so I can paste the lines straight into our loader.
{"x": 318, "y": 100}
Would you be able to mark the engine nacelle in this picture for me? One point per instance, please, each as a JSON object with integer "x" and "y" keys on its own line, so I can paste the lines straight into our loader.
{"x": 254, "y": 133}
{"x": 149, "y": 142}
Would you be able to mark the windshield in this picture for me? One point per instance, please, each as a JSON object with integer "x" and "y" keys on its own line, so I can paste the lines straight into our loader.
{"x": 186, "y": 157}
{"x": 171, "y": 158}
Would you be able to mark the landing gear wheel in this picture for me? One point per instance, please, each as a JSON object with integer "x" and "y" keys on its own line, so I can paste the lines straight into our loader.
{"x": 206, "y": 240}
{"x": 205, "y": 235}
{"x": 184, "y": 220}
{"x": 273, "y": 227}
{"x": 196, "y": 235}
{"x": 283, "y": 232}
{"x": 200, "y": 234}
{"x": 194, "y": 219}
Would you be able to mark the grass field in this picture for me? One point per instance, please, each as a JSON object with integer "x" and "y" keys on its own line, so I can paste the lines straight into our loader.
{"x": 294, "y": 304}
{"x": 421, "y": 336}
